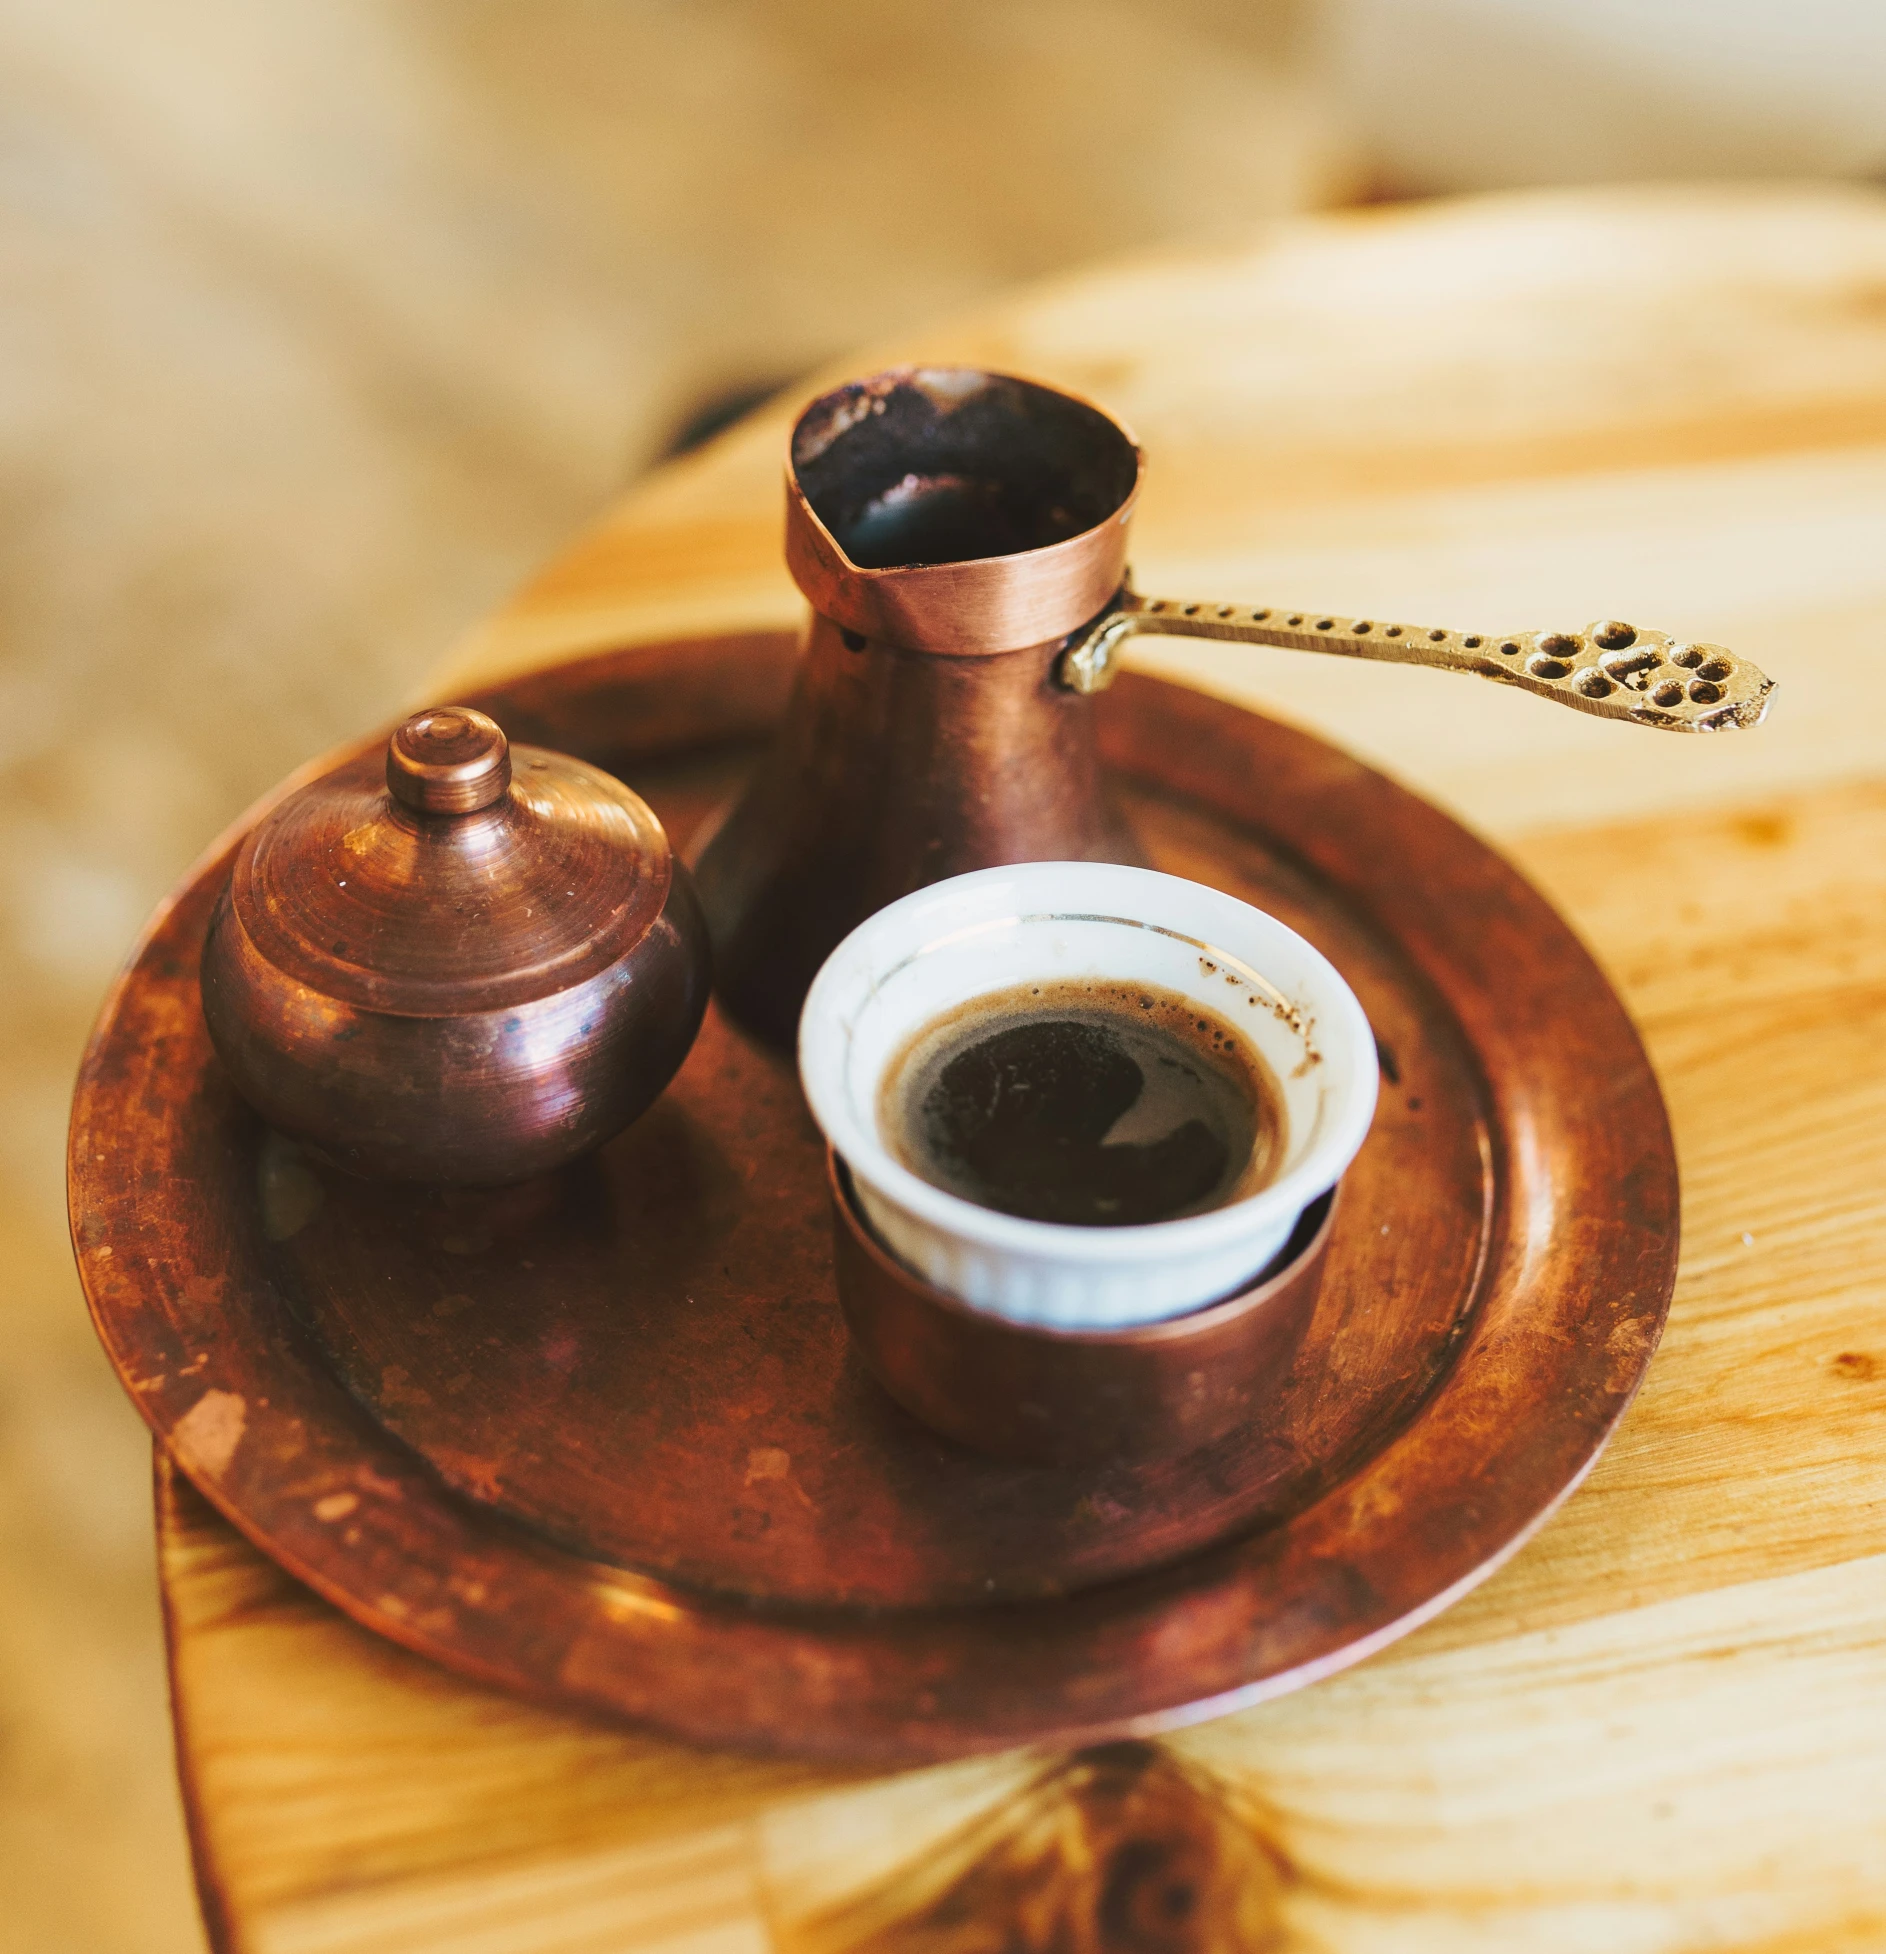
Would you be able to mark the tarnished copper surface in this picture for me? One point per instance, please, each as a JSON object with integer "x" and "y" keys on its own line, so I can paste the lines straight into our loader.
{"x": 621, "y": 1298}
{"x": 455, "y": 961}
{"x": 602, "y": 1438}
{"x": 1042, "y": 1396}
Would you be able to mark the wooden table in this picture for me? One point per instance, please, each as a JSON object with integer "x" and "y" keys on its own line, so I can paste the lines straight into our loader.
{"x": 1663, "y": 1725}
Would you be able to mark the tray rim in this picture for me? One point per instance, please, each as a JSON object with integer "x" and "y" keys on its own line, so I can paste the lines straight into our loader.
{"x": 610, "y": 1655}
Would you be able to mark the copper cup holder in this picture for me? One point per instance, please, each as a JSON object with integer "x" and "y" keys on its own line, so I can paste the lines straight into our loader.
{"x": 1042, "y": 1396}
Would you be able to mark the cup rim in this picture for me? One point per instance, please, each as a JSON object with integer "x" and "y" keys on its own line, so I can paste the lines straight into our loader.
{"x": 824, "y": 1036}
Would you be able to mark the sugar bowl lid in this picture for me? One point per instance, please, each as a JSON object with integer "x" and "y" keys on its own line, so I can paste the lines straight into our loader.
{"x": 472, "y": 877}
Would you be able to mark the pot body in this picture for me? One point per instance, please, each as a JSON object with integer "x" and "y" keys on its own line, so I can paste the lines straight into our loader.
{"x": 894, "y": 769}
{"x": 478, "y": 1098}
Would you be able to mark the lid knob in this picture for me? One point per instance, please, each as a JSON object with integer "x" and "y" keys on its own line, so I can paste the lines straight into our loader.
{"x": 448, "y": 760}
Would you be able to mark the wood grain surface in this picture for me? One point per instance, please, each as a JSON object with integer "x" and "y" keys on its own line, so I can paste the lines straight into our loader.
{"x": 1659, "y": 1727}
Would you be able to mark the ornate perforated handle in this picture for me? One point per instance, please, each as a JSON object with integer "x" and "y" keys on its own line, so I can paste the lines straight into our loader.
{"x": 1616, "y": 670}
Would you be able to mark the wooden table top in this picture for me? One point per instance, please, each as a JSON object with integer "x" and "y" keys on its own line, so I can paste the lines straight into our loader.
{"x": 1660, "y": 1726}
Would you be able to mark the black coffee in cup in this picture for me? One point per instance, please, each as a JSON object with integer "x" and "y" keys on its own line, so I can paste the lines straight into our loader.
{"x": 1086, "y": 1101}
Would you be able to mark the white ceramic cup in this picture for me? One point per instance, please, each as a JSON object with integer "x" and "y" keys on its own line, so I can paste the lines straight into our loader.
{"x": 976, "y": 934}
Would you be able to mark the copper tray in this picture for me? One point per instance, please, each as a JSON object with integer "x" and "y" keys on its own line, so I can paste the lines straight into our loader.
{"x": 601, "y": 1438}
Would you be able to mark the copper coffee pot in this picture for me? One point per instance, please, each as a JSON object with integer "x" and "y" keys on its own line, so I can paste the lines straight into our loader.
{"x": 962, "y": 539}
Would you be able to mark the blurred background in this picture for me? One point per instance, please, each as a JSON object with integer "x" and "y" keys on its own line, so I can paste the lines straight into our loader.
{"x": 325, "y": 320}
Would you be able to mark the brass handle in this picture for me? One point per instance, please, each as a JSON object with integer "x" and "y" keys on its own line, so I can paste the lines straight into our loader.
{"x": 1616, "y": 670}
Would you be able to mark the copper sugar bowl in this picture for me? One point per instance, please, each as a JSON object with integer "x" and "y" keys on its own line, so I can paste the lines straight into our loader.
{"x": 463, "y": 962}
{"x": 962, "y": 539}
